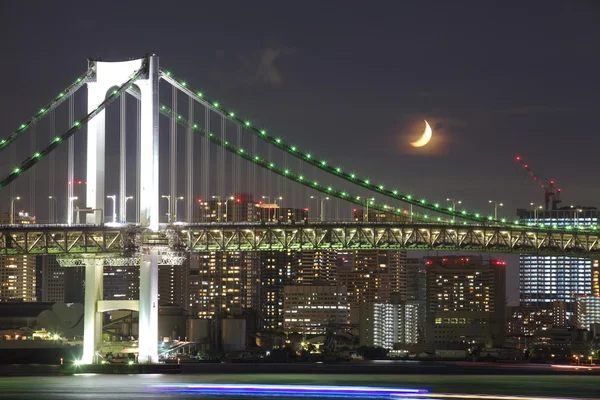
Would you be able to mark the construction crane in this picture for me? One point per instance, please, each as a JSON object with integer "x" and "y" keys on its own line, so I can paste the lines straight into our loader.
{"x": 551, "y": 192}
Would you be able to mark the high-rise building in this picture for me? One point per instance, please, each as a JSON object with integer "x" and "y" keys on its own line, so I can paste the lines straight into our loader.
{"x": 173, "y": 284}
{"x": 315, "y": 267}
{"x": 309, "y": 309}
{"x": 465, "y": 301}
{"x": 587, "y": 311}
{"x": 524, "y": 322}
{"x": 596, "y": 277}
{"x": 122, "y": 282}
{"x": 53, "y": 280}
{"x": 17, "y": 278}
{"x": 385, "y": 324}
{"x": 411, "y": 279}
{"x": 545, "y": 279}
{"x": 223, "y": 282}
{"x": 276, "y": 272}
{"x": 371, "y": 276}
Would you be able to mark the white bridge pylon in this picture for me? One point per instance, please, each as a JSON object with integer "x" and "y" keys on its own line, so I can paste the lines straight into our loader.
{"x": 106, "y": 76}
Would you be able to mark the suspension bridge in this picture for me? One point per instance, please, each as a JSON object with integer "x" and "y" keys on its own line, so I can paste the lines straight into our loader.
{"x": 247, "y": 159}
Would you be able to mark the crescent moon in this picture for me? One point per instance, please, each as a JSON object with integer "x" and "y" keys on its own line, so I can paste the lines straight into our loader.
{"x": 425, "y": 137}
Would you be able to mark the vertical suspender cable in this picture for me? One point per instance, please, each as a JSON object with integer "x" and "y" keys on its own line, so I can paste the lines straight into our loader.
{"x": 32, "y": 149}
{"x": 222, "y": 167}
{"x": 238, "y": 179}
{"x": 123, "y": 160}
{"x": 13, "y": 163}
{"x": 254, "y": 177}
{"x": 234, "y": 162}
{"x": 189, "y": 170}
{"x": 71, "y": 161}
{"x": 206, "y": 162}
{"x": 173, "y": 158}
{"x": 138, "y": 156}
{"x": 52, "y": 200}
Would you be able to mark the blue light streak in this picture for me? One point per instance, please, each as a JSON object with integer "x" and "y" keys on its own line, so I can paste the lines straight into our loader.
{"x": 292, "y": 390}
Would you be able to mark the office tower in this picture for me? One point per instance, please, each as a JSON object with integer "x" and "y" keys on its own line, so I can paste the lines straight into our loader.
{"x": 596, "y": 277}
{"x": 52, "y": 280}
{"x": 411, "y": 280}
{"x": 465, "y": 301}
{"x": 223, "y": 283}
{"x": 310, "y": 309}
{"x": 17, "y": 278}
{"x": 545, "y": 279}
{"x": 173, "y": 284}
{"x": 385, "y": 324}
{"x": 123, "y": 282}
{"x": 315, "y": 267}
{"x": 370, "y": 276}
{"x": 276, "y": 272}
{"x": 587, "y": 311}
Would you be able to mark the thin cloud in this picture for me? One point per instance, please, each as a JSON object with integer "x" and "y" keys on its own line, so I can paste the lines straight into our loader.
{"x": 251, "y": 69}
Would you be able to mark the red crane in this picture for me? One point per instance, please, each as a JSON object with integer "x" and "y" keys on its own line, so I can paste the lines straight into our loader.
{"x": 551, "y": 192}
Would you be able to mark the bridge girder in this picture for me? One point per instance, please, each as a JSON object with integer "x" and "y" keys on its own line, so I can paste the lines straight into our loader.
{"x": 128, "y": 240}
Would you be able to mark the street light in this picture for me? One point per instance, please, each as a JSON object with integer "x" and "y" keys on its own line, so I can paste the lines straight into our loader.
{"x": 226, "y": 209}
{"x": 268, "y": 198}
{"x": 536, "y": 207}
{"x": 114, "y": 199}
{"x": 496, "y": 205}
{"x": 125, "y": 210}
{"x": 367, "y": 202}
{"x": 454, "y": 203}
{"x": 71, "y": 200}
{"x": 168, "y": 197}
{"x": 322, "y": 201}
{"x": 12, "y": 209}
{"x": 276, "y": 208}
{"x": 175, "y": 213}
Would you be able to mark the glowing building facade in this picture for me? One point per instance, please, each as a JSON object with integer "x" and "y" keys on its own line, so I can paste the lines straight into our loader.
{"x": 17, "y": 278}
{"x": 309, "y": 309}
{"x": 587, "y": 311}
{"x": 546, "y": 279}
{"x": 465, "y": 301}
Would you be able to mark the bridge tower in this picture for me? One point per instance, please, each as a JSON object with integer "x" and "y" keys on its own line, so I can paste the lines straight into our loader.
{"x": 106, "y": 76}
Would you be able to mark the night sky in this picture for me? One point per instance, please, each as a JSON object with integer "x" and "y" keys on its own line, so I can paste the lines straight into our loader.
{"x": 353, "y": 81}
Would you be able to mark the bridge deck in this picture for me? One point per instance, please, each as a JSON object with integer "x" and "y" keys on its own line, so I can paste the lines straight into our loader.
{"x": 128, "y": 239}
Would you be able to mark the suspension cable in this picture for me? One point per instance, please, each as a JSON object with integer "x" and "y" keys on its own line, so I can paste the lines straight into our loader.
{"x": 57, "y": 141}
{"x": 58, "y": 100}
{"x": 328, "y": 190}
{"x": 322, "y": 164}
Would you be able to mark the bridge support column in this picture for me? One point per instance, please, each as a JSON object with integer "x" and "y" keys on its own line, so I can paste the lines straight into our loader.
{"x": 148, "y": 320}
{"x": 92, "y": 319}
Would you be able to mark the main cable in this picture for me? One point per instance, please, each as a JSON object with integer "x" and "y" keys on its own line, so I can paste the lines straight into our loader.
{"x": 37, "y": 156}
{"x": 51, "y": 106}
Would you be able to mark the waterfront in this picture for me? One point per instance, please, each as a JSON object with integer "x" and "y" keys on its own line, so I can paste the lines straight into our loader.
{"x": 524, "y": 380}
